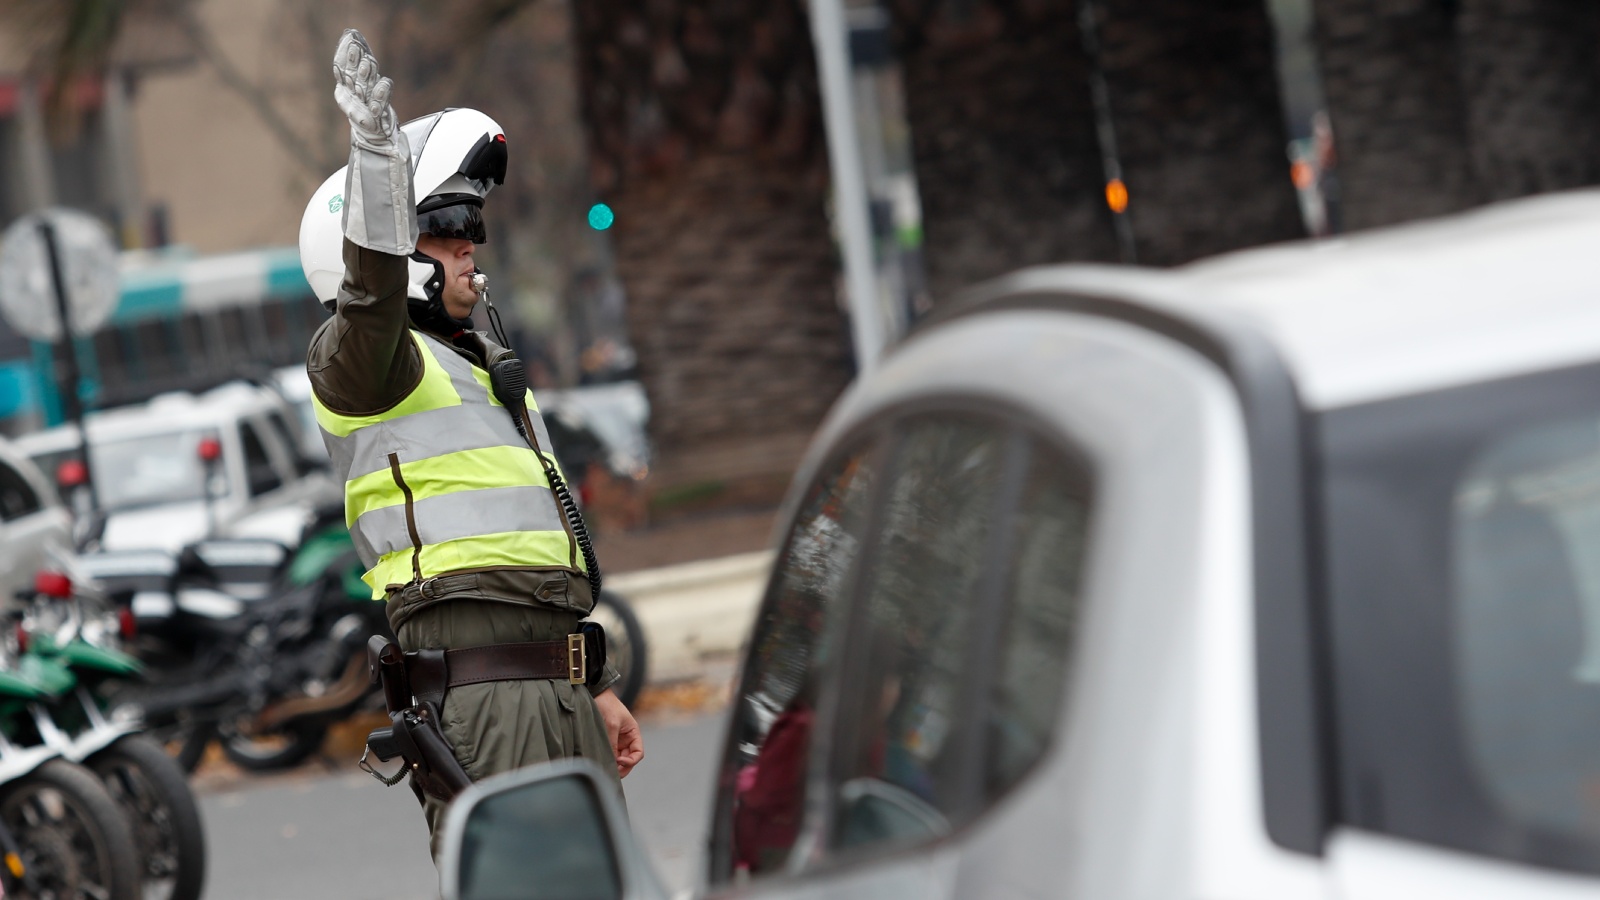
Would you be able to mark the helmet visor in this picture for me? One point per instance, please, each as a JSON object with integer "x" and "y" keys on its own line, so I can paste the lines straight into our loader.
{"x": 463, "y": 220}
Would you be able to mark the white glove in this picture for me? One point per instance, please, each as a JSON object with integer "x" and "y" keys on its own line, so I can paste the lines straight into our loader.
{"x": 379, "y": 209}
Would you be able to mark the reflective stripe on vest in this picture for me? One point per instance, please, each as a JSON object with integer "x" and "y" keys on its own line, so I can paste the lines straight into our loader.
{"x": 442, "y": 482}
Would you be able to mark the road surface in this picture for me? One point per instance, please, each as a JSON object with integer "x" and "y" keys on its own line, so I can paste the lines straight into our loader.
{"x": 314, "y": 833}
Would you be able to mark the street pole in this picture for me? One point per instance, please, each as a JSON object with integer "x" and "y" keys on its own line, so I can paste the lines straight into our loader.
{"x": 829, "y": 33}
{"x": 71, "y": 403}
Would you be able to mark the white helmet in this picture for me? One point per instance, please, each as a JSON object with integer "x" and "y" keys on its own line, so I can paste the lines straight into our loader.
{"x": 457, "y": 157}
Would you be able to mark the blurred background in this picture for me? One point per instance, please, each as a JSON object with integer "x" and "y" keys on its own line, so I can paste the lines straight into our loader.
{"x": 714, "y": 218}
{"x": 668, "y": 215}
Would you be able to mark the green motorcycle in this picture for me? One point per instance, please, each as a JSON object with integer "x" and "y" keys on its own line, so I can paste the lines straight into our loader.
{"x": 74, "y": 676}
{"x": 61, "y": 832}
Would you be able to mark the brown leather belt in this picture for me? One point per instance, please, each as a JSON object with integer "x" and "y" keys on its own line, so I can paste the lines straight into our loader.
{"x": 433, "y": 672}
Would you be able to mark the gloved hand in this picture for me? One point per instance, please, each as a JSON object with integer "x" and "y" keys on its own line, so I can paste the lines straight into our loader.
{"x": 379, "y": 208}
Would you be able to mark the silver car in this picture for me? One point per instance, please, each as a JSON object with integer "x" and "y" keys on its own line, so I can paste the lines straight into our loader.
{"x": 1274, "y": 576}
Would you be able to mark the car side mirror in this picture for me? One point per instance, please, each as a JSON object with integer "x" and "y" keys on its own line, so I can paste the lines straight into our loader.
{"x": 552, "y": 831}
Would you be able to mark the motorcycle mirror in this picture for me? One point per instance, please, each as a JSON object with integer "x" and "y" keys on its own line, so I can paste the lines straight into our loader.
{"x": 54, "y": 585}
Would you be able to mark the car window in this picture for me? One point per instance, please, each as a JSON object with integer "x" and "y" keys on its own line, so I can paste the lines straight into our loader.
{"x": 17, "y": 499}
{"x": 150, "y": 470}
{"x": 1526, "y": 570}
{"x": 1049, "y": 536}
{"x": 761, "y": 785}
{"x": 1463, "y": 560}
{"x": 259, "y": 471}
{"x": 964, "y": 634}
{"x": 912, "y": 656}
{"x": 901, "y": 771}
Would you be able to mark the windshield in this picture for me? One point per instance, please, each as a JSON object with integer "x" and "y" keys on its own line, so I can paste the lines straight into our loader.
{"x": 150, "y": 470}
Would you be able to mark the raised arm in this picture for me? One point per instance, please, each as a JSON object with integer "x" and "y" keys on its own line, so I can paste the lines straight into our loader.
{"x": 361, "y": 360}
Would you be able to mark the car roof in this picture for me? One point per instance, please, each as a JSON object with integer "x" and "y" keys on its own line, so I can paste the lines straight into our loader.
{"x": 160, "y": 415}
{"x": 1507, "y": 289}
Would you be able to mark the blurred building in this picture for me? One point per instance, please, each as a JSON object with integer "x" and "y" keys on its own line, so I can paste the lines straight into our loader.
{"x": 143, "y": 146}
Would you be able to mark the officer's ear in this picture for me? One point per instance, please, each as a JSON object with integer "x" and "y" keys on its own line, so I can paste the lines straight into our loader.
{"x": 559, "y": 825}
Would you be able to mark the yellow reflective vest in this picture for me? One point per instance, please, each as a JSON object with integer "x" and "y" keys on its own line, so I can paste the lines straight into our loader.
{"x": 442, "y": 482}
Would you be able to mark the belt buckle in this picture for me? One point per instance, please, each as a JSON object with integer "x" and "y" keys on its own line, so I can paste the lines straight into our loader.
{"x": 577, "y": 659}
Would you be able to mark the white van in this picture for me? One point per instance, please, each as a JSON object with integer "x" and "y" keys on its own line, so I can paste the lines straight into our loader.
{"x": 157, "y": 491}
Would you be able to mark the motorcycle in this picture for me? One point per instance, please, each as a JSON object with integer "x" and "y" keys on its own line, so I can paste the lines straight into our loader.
{"x": 61, "y": 832}
{"x": 265, "y": 677}
{"x": 263, "y": 649}
{"x": 64, "y": 636}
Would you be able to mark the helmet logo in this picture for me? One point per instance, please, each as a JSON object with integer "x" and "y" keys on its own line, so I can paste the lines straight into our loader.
{"x": 336, "y": 203}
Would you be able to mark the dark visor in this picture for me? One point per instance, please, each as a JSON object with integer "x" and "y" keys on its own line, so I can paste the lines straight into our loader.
{"x": 460, "y": 221}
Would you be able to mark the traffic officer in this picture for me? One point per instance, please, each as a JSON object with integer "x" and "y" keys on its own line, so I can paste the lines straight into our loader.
{"x": 452, "y": 511}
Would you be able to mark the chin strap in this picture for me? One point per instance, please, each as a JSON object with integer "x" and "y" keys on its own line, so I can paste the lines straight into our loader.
{"x": 422, "y": 298}
{"x": 427, "y": 277}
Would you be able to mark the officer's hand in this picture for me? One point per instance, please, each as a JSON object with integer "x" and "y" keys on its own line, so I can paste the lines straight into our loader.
{"x": 361, "y": 93}
{"x": 622, "y": 730}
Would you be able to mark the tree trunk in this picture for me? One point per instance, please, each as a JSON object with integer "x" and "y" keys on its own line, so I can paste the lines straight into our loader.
{"x": 1008, "y": 163}
{"x": 1200, "y": 124}
{"x": 1003, "y": 141}
{"x": 1391, "y": 72}
{"x": 705, "y": 138}
{"x": 1530, "y": 69}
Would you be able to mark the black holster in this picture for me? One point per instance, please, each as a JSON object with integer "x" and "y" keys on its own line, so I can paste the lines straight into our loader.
{"x": 413, "y": 734}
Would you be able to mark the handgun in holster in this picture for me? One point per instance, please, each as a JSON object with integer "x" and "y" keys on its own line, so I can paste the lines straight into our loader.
{"x": 413, "y": 734}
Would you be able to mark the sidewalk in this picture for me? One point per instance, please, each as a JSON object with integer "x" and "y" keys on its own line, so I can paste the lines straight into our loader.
{"x": 695, "y": 586}
{"x": 690, "y": 540}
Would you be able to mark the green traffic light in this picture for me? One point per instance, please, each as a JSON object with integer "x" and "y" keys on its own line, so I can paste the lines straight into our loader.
{"x": 601, "y": 217}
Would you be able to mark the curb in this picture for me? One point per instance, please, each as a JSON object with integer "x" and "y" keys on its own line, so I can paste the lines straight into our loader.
{"x": 695, "y": 614}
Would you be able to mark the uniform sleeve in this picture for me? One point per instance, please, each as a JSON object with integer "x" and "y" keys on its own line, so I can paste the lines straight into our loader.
{"x": 609, "y": 676}
{"x": 362, "y": 361}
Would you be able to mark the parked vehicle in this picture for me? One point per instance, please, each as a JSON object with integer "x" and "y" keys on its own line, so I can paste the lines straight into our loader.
{"x": 1270, "y": 576}
{"x": 61, "y": 833}
{"x": 33, "y": 522}
{"x": 295, "y": 387}
{"x": 67, "y": 632}
{"x": 247, "y": 642}
{"x": 183, "y": 467}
